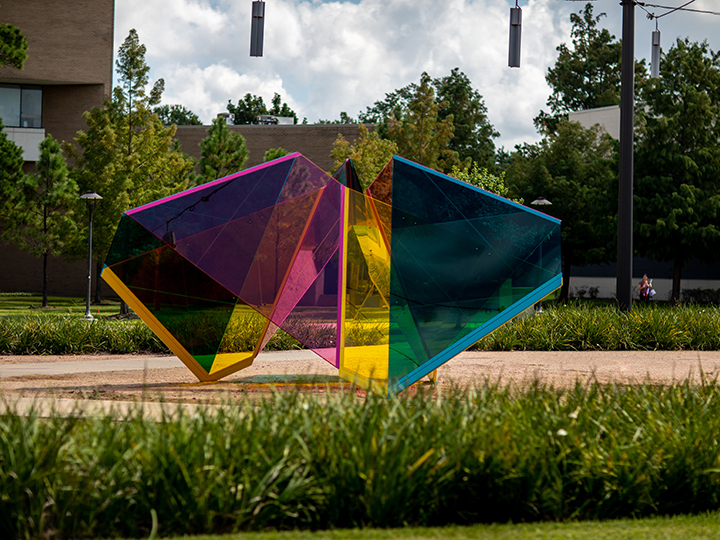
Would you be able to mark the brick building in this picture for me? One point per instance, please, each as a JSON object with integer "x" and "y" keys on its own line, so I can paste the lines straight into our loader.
{"x": 314, "y": 141}
{"x": 68, "y": 70}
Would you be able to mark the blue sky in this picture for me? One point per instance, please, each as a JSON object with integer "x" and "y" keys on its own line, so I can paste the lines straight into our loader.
{"x": 327, "y": 57}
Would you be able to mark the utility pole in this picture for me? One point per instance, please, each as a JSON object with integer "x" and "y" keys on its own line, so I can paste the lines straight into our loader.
{"x": 625, "y": 188}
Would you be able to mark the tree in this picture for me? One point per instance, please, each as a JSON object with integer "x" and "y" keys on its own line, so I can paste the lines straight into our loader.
{"x": 677, "y": 195}
{"x": 575, "y": 169}
{"x": 274, "y": 153}
{"x": 282, "y": 109}
{"x": 177, "y": 114}
{"x": 250, "y": 107}
{"x": 13, "y": 46}
{"x": 483, "y": 179}
{"x": 586, "y": 76}
{"x": 420, "y": 135}
{"x": 369, "y": 154}
{"x": 37, "y": 219}
{"x": 126, "y": 155}
{"x": 11, "y": 168}
{"x": 344, "y": 119}
{"x": 222, "y": 151}
{"x": 473, "y": 133}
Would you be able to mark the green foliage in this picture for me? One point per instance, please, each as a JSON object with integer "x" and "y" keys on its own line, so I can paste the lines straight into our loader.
{"x": 274, "y": 153}
{"x": 176, "y": 114}
{"x": 419, "y": 133}
{"x": 36, "y": 214}
{"x": 678, "y": 160}
{"x": 586, "y": 75}
{"x": 472, "y": 134}
{"x": 487, "y": 454}
{"x": 484, "y": 180}
{"x": 126, "y": 155}
{"x": 13, "y": 46}
{"x": 576, "y": 170}
{"x": 344, "y": 119}
{"x": 222, "y": 151}
{"x": 369, "y": 154}
{"x": 583, "y": 328}
{"x": 11, "y": 170}
{"x": 250, "y": 107}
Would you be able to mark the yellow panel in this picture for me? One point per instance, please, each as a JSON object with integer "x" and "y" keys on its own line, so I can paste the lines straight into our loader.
{"x": 166, "y": 337}
{"x": 237, "y": 361}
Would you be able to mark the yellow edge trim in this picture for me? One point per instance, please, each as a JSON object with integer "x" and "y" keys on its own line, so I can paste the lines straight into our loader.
{"x": 375, "y": 385}
{"x": 231, "y": 369}
{"x": 343, "y": 282}
{"x": 156, "y": 326}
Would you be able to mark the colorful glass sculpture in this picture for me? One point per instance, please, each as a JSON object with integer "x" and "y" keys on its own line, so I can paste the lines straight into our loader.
{"x": 385, "y": 285}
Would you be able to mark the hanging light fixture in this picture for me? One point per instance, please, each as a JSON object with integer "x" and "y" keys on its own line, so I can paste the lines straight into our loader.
{"x": 655, "y": 54}
{"x": 257, "y": 28}
{"x": 515, "y": 31}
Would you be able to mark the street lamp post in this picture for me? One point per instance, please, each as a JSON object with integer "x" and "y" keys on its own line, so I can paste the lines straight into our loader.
{"x": 90, "y": 197}
{"x": 540, "y": 201}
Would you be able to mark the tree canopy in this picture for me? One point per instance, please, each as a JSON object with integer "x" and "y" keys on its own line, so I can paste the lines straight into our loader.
{"x": 369, "y": 154}
{"x": 677, "y": 194}
{"x": 420, "y": 134}
{"x": 586, "y": 75}
{"x": 473, "y": 133}
{"x": 223, "y": 152}
{"x": 250, "y": 107}
{"x": 177, "y": 114}
{"x": 13, "y": 46}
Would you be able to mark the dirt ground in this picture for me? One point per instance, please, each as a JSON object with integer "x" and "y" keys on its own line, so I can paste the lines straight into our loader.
{"x": 282, "y": 372}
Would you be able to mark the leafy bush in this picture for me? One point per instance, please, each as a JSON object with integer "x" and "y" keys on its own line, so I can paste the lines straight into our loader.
{"x": 489, "y": 454}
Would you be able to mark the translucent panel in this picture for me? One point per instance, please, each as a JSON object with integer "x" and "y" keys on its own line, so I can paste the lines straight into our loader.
{"x": 366, "y": 309}
{"x": 188, "y": 303}
{"x": 216, "y": 203}
{"x": 131, "y": 239}
{"x": 347, "y": 176}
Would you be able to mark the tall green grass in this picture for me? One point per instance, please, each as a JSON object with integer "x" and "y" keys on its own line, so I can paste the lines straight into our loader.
{"x": 580, "y": 327}
{"x": 489, "y": 454}
{"x": 583, "y": 327}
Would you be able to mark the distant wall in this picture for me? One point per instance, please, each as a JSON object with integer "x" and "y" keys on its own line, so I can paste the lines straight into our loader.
{"x": 314, "y": 141}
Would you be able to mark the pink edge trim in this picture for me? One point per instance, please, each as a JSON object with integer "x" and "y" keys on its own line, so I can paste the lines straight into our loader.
{"x": 341, "y": 284}
{"x": 209, "y": 184}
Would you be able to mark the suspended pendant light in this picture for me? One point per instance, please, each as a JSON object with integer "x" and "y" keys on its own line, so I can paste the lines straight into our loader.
{"x": 256, "y": 30}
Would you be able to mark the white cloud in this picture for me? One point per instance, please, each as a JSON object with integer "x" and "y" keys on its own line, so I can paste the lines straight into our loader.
{"x": 327, "y": 57}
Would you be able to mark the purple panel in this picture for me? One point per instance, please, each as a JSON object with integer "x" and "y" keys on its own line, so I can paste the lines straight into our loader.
{"x": 303, "y": 178}
{"x": 321, "y": 241}
{"x": 213, "y": 204}
{"x": 227, "y": 252}
{"x": 276, "y": 251}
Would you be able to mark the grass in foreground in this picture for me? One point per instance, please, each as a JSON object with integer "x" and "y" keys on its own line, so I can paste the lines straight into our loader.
{"x": 699, "y": 527}
{"x": 293, "y": 461}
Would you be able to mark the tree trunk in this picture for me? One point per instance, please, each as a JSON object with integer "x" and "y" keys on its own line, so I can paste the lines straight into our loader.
{"x": 44, "y": 285}
{"x": 124, "y": 311}
{"x": 677, "y": 270}
{"x": 565, "y": 289}
{"x": 98, "y": 283}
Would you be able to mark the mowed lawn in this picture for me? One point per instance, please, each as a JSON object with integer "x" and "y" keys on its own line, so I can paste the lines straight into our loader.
{"x": 700, "y": 527}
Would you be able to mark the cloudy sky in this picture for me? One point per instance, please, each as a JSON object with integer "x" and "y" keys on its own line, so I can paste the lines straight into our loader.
{"x": 325, "y": 57}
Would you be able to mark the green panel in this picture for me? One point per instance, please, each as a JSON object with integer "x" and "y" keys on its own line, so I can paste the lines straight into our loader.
{"x": 131, "y": 240}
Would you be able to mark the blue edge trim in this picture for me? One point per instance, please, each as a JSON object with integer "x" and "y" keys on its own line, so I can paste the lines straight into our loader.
{"x": 465, "y": 342}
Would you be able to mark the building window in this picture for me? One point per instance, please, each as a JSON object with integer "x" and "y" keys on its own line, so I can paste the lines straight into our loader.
{"x": 21, "y": 106}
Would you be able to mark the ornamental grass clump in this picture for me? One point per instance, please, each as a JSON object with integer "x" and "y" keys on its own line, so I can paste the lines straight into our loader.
{"x": 485, "y": 454}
